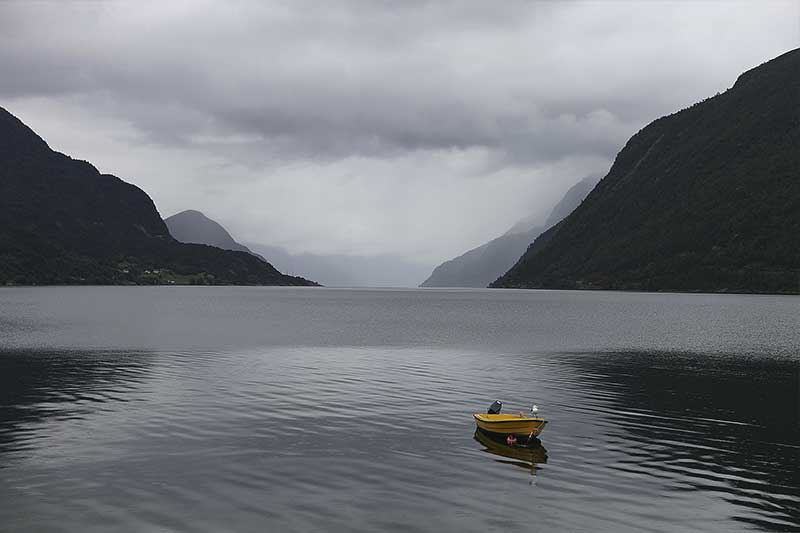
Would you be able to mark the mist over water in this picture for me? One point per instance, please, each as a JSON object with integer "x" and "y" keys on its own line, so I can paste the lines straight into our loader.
{"x": 333, "y": 409}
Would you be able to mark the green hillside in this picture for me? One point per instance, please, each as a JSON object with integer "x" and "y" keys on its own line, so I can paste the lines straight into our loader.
{"x": 62, "y": 222}
{"x": 706, "y": 199}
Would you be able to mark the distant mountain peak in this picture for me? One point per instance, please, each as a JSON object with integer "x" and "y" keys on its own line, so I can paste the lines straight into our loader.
{"x": 192, "y": 226}
{"x": 190, "y": 212}
{"x": 482, "y": 265}
{"x": 571, "y": 199}
{"x": 63, "y": 222}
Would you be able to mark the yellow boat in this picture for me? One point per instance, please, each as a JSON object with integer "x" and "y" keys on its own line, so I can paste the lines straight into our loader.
{"x": 510, "y": 424}
{"x": 494, "y": 422}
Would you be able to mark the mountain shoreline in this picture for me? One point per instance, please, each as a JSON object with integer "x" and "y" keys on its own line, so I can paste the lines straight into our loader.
{"x": 365, "y": 288}
{"x": 641, "y": 291}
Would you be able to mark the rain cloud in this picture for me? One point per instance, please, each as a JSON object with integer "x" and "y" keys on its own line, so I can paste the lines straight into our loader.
{"x": 414, "y": 128}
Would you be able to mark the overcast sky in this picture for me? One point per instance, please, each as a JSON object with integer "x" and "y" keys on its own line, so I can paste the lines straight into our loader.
{"x": 401, "y": 127}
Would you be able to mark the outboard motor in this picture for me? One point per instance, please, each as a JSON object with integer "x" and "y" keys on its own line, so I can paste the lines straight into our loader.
{"x": 494, "y": 409}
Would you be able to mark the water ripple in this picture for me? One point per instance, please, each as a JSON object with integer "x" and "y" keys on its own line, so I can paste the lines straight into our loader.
{"x": 353, "y": 437}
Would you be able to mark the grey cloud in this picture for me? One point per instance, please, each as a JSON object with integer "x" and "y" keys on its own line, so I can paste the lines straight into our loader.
{"x": 330, "y": 125}
{"x": 332, "y": 80}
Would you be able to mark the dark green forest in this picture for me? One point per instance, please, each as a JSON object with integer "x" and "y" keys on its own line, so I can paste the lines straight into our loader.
{"x": 62, "y": 222}
{"x": 706, "y": 199}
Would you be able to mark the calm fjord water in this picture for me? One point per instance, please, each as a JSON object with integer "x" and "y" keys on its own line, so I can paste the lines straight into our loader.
{"x": 210, "y": 409}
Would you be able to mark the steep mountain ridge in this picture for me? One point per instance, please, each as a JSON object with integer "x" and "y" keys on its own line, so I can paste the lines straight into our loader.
{"x": 706, "y": 199}
{"x": 63, "y": 222}
{"x": 482, "y": 265}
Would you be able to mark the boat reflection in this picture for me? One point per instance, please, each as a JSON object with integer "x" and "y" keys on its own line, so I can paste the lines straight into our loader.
{"x": 521, "y": 455}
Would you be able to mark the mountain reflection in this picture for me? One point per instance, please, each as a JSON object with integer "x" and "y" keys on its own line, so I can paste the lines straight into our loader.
{"x": 718, "y": 423}
{"x": 40, "y": 386}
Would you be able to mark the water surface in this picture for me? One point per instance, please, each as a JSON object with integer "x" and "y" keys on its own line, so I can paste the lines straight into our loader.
{"x": 293, "y": 409}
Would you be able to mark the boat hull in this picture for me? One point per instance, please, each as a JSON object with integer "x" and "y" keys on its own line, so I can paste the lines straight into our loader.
{"x": 510, "y": 424}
